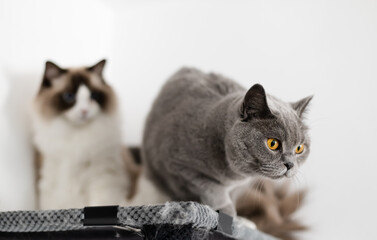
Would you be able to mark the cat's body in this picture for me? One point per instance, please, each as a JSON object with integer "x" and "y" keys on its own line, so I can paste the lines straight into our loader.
{"x": 204, "y": 138}
{"x": 78, "y": 136}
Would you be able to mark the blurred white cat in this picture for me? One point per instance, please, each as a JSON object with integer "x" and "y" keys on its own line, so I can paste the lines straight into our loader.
{"x": 77, "y": 135}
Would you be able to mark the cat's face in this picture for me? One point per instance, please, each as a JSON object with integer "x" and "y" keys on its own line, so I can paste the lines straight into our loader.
{"x": 77, "y": 95}
{"x": 270, "y": 137}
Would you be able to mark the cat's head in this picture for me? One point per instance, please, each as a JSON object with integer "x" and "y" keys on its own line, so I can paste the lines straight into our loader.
{"x": 270, "y": 137}
{"x": 78, "y": 95}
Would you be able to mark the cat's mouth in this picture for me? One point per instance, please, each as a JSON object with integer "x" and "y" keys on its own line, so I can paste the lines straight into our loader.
{"x": 265, "y": 170}
{"x": 257, "y": 166}
{"x": 80, "y": 121}
{"x": 272, "y": 176}
{"x": 271, "y": 172}
{"x": 277, "y": 174}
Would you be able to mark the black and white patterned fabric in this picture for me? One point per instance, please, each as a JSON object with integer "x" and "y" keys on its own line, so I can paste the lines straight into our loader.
{"x": 41, "y": 221}
{"x": 181, "y": 213}
{"x": 174, "y": 213}
{"x": 172, "y": 220}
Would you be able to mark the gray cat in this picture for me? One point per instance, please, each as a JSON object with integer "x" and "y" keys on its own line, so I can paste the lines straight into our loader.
{"x": 206, "y": 135}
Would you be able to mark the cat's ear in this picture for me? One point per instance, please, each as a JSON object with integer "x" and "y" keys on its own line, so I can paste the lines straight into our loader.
{"x": 301, "y": 105}
{"x": 255, "y": 104}
{"x": 52, "y": 70}
{"x": 98, "y": 67}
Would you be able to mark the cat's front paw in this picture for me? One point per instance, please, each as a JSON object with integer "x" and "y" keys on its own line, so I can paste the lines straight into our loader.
{"x": 246, "y": 222}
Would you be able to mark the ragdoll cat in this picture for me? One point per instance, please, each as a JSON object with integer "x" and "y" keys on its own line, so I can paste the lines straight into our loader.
{"x": 206, "y": 135}
{"x": 77, "y": 135}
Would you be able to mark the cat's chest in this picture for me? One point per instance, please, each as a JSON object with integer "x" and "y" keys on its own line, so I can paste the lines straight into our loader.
{"x": 59, "y": 140}
{"x": 235, "y": 185}
{"x": 67, "y": 176}
{"x": 66, "y": 166}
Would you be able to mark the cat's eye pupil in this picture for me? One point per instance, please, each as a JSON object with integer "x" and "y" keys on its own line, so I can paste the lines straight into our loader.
{"x": 95, "y": 96}
{"x": 298, "y": 148}
{"x": 69, "y": 97}
{"x": 272, "y": 143}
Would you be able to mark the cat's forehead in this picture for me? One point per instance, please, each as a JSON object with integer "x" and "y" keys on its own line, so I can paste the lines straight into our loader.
{"x": 73, "y": 78}
{"x": 280, "y": 108}
{"x": 287, "y": 118}
{"x": 78, "y": 76}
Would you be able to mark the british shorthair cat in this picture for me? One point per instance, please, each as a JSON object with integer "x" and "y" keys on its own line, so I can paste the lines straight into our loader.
{"x": 206, "y": 136}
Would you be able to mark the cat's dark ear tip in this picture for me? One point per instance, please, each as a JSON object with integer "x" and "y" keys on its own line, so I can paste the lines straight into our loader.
{"x": 102, "y": 62}
{"x": 309, "y": 98}
{"x": 49, "y": 63}
{"x": 257, "y": 89}
{"x": 53, "y": 66}
{"x": 98, "y": 67}
{"x": 52, "y": 70}
{"x": 258, "y": 85}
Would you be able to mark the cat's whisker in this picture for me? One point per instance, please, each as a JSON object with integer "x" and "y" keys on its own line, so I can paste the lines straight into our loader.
{"x": 299, "y": 177}
{"x": 302, "y": 177}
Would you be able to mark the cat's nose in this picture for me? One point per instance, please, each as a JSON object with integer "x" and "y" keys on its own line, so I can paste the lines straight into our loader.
{"x": 84, "y": 112}
{"x": 289, "y": 165}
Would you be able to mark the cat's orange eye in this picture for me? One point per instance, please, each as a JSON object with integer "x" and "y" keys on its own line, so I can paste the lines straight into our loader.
{"x": 273, "y": 143}
{"x": 299, "y": 149}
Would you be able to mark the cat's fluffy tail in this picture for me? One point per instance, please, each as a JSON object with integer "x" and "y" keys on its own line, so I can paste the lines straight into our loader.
{"x": 136, "y": 154}
{"x": 142, "y": 190}
{"x": 271, "y": 208}
{"x": 131, "y": 157}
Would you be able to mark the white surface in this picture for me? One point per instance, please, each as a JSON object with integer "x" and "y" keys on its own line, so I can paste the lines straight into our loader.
{"x": 294, "y": 48}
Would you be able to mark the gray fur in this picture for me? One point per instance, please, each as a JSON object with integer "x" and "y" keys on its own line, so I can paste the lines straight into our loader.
{"x": 204, "y": 136}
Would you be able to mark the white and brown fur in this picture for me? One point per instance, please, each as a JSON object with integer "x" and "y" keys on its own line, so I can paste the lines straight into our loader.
{"x": 77, "y": 135}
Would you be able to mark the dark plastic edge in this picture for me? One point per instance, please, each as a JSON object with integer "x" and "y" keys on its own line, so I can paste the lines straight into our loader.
{"x": 101, "y": 216}
{"x": 225, "y": 223}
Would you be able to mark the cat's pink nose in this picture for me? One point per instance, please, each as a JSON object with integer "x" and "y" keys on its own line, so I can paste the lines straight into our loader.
{"x": 84, "y": 112}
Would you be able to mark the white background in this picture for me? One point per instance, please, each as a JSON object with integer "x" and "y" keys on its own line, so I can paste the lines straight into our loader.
{"x": 293, "y": 48}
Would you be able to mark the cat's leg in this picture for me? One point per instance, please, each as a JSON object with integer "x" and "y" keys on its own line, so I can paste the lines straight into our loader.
{"x": 218, "y": 197}
{"x": 148, "y": 193}
{"x": 107, "y": 189}
{"x": 99, "y": 196}
{"x": 209, "y": 192}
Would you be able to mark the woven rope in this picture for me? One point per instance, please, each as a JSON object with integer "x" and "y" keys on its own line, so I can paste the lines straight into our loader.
{"x": 182, "y": 213}
{"x": 41, "y": 221}
{"x": 174, "y": 213}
